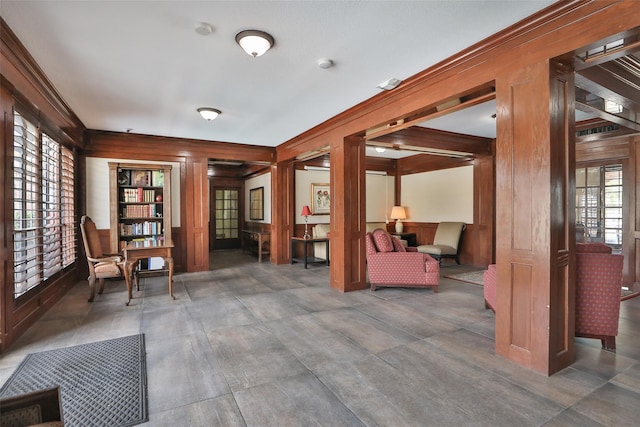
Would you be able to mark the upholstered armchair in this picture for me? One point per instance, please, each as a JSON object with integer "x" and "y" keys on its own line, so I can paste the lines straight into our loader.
{"x": 101, "y": 265}
{"x": 390, "y": 264}
{"x": 320, "y": 231}
{"x": 490, "y": 285}
{"x": 598, "y": 288}
{"x": 446, "y": 242}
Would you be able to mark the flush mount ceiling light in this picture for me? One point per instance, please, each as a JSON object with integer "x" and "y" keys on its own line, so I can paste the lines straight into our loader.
{"x": 389, "y": 84}
{"x": 209, "y": 113}
{"x": 254, "y": 42}
{"x": 325, "y": 63}
{"x": 204, "y": 29}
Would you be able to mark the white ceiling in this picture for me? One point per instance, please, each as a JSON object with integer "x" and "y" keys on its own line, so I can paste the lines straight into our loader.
{"x": 140, "y": 65}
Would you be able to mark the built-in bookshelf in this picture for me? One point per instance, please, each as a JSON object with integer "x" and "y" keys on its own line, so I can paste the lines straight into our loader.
{"x": 140, "y": 196}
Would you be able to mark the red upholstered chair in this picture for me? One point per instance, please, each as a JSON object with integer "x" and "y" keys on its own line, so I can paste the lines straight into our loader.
{"x": 390, "y": 264}
{"x": 598, "y": 287}
{"x": 490, "y": 287}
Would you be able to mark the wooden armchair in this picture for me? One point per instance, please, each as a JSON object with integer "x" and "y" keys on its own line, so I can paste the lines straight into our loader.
{"x": 101, "y": 266}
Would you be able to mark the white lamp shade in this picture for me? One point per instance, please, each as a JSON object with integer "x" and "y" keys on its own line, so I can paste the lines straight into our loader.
{"x": 398, "y": 212}
{"x": 254, "y": 42}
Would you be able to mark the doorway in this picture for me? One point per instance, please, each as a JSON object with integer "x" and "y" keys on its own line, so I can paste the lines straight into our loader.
{"x": 225, "y": 218}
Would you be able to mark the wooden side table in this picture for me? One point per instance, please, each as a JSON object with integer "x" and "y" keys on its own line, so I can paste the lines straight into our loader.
{"x": 136, "y": 251}
{"x": 251, "y": 237}
{"x": 307, "y": 259}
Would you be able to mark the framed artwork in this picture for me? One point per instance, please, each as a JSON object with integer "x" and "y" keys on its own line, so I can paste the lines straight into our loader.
{"x": 140, "y": 178}
{"x": 320, "y": 199}
{"x": 256, "y": 203}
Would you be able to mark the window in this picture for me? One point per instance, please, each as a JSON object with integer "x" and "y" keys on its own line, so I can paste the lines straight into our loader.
{"x": 599, "y": 203}
{"x": 44, "y": 240}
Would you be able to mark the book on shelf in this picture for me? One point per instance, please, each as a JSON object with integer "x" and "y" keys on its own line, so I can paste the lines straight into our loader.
{"x": 157, "y": 179}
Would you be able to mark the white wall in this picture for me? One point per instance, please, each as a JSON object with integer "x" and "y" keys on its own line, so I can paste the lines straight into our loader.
{"x": 380, "y": 196}
{"x": 98, "y": 190}
{"x": 443, "y": 195}
{"x": 379, "y": 191}
{"x": 304, "y": 179}
{"x": 263, "y": 180}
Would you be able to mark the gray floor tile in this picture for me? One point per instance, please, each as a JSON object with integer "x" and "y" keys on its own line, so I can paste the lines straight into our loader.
{"x": 221, "y": 411}
{"x": 300, "y": 400}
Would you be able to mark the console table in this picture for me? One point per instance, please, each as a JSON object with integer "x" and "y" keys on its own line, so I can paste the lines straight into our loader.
{"x": 136, "y": 251}
{"x": 253, "y": 241}
{"x": 307, "y": 259}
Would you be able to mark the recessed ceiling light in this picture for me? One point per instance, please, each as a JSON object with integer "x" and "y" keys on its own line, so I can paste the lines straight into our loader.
{"x": 209, "y": 113}
{"x": 389, "y": 84}
{"x": 325, "y": 63}
{"x": 204, "y": 29}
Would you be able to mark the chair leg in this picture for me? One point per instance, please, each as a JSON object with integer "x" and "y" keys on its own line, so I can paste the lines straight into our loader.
{"x": 608, "y": 343}
{"x": 435, "y": 289}
{"x": 92, "y": 288}
{"x": 101, "y": 289}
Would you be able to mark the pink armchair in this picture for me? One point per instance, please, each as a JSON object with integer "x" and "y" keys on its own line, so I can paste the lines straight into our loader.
{"x": 598, "y": 287}
{"x": 490, "y": 279}
{"x": 390, "y": 264}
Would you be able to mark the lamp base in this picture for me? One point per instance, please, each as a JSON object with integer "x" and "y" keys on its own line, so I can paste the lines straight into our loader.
{"x": 399, "y": 226}
{"x": 306, "y": 231}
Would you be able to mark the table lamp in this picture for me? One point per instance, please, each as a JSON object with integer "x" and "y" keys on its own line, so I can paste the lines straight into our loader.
{"x": 305, "y": 213}
{"x": 398, "y": 213}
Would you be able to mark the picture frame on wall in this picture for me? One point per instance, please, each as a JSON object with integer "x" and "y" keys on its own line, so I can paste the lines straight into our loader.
{"x": 256, "y": 203}
{"x": 320, "y": 199}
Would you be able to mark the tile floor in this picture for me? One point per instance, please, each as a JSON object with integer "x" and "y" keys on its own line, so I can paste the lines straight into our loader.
{"x": 261, "y": 345}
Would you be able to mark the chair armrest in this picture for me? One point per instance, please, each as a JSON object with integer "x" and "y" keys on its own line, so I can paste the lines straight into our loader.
{"x": 114, "y": 258}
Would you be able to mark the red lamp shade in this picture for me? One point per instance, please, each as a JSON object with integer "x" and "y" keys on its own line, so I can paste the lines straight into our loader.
{"x": 305, "y": 211}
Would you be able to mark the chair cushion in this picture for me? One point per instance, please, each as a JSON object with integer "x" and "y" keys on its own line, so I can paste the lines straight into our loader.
{"x": 397, "y": 245}
{"x": 107, "y": 269}
{"x": 437, "y": 249}
{"x": 321, "y": 230}
{"x": 382, "y": 239}
{"x": 593, "y": 248}
{"x": 369, "y": 245}
{"x": 448, "y": 235}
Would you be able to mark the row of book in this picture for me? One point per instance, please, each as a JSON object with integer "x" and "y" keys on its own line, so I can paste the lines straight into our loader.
{"x": 138, "y": 195}
{"x": 141, "y": 211}
{"x": 147, "y": 228}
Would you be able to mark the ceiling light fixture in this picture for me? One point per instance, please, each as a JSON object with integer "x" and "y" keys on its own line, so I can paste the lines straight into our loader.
{"x": 380, "y": 149}
{"x": 209, "y": 113}
{"x": 389, "y": 84}
{"x": 325, "y": 63}
{"x": 254, "y": 42}
{"x": 204, "y": 29}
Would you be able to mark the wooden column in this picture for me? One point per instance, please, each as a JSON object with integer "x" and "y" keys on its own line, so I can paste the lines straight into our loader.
{"x": 348, "y": 215}
{"x": 484, "y": 196}
{"x": 633, "y": 184}
{"x": 282, "y": 214}
{"x": 196, "y": 217}
{"x": 535, "y": 165}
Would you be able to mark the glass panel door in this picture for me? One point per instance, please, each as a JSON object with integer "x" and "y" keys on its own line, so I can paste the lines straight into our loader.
{"x": 226, "y": 219}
